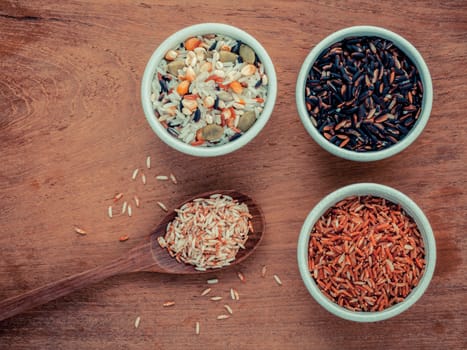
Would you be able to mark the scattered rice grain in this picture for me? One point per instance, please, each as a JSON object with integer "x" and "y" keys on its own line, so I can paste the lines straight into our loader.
{"x": 162, "y": 205}
{"x": 123, "y": 238}
{"x": 110, "y": 212}
{"x": 135, "y": 173}
{"x": 124, "y": 206}
{"x": 143, "y": 179}
{"x": 213, "y": 281}
{"x": 278, "y": 280}
{"x": 197, "y": 328}
{"x": 223, "y": 317}
{"x": 118, "y": 196}
{"x": 228, "y": 308}
{"x": 168, "y": 303}
{"x": 206, "y": 292}
{"x": 173, "y": 178}
{"x": 232, "y": 294}
{"x": 136, "y": 201}
{"x": 148, "y": 162}
{"x": 137, "y": 321}
{"x": 129, "y": 210}
{"x": 216, "y": 298}
{"x": 80, "y": 231}
{"x": 240, "y": 276}
{"x": 263, "y": 271}
{"x": 162, "y": 177}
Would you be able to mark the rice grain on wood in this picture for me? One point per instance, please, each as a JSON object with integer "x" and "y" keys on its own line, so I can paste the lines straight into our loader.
{"x": 80, "y": 231}
{"x": 162, "y": 206}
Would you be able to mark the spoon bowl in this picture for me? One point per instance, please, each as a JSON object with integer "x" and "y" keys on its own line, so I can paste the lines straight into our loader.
{"x": 166, "y": 264}
{"x": 148, "y": 256}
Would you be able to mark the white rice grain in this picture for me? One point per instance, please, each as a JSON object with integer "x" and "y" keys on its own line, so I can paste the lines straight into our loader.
{"x": 223, "y": 317}
{"x": 124, "y": 206}
{"x": 148, "y": 162}
{"x": 205, "y": 292}
{"x": 173, "y": 179}
{"x": 213, "y": 281}
{"x": 162, "y": 177}
{"x": 135, "y": 173}
{"x": 129, "y": 211}
{"x": 278, "y": 280}
{"x": 197, "y": 328}
{"x": 216, "y": 298}
{"x": 162, "y": 205}
{"x": 228, "y": 308}
{"x": 109, "y": 212}
{"x": 137, "y": 321}
{"x": 136, "y": 199}
{"x": 143, "y": 179}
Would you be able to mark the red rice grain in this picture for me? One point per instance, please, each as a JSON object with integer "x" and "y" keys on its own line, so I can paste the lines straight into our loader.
{"x": 366, "y": 253}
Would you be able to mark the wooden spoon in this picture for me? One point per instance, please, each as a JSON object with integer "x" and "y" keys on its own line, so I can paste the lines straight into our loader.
{"x": 146, "y": 257}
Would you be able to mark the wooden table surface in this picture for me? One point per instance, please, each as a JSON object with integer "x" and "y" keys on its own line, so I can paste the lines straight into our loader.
{"x": 72, "y": 130}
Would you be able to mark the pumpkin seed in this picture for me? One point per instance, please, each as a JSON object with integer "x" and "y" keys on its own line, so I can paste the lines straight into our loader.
{"x": 174, "y": 66}
{"x": 246, "y": 120}
{"x": 247, "y": 54}
{"x": 212, "y": 132}
{"x": 227, "y": 56}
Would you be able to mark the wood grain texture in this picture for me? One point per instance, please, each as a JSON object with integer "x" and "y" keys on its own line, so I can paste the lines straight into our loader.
{"x": 72, "y": 130}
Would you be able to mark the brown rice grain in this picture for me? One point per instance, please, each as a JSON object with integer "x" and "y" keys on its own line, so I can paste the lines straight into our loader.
{"x": 80, "y": 231}
{"x": 240, "y": 276}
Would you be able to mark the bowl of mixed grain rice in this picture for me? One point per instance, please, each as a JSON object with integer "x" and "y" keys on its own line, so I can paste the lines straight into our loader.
{"x": 364, "y": 93}
{"x": 208, "y": 89}
{"x": 366, "y": 252}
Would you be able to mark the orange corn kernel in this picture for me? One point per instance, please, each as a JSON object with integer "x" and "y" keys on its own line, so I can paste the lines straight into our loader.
{"x": 182, "y": 88}
{"x": 236, "y": 87}
{"x": 192, "y": 43}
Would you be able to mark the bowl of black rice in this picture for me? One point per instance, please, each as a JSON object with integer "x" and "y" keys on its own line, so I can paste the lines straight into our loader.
{"x": 364, "y": 93}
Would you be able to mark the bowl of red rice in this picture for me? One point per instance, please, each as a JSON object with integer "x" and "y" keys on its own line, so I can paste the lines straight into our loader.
{"x": 208, "y": 89}
{"x": 366, "y": 252}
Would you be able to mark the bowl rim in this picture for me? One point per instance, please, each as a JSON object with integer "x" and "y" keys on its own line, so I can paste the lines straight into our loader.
{"x": 404, "y": 45}
{"x": 178, "y": 37}
{"x": 394, "y": 196}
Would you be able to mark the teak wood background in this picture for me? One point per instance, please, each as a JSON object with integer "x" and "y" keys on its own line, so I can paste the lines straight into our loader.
{"x": 72, "y": 130}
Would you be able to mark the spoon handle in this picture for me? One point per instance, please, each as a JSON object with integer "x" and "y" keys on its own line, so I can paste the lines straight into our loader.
{"x": 138, "y": 259}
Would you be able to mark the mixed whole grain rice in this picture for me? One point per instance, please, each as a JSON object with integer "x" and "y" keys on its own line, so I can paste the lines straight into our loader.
{"x": 209, "y": 90}
{"x": 208, "y": 232}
